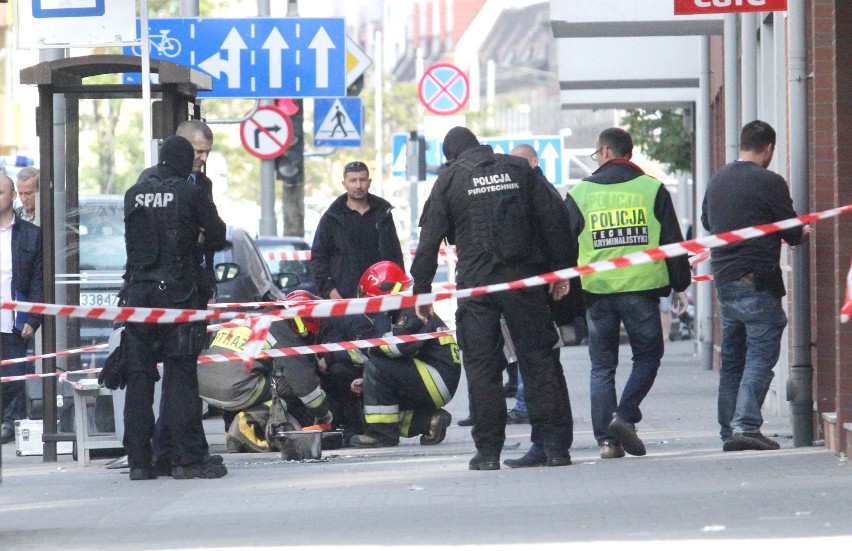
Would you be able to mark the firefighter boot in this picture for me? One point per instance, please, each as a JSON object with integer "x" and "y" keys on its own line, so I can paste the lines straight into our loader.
{"x": 437, "y": 430}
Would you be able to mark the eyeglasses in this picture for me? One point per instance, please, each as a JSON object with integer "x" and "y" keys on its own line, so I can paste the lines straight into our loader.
{"x": 594, "y": 155}
{"x": 355, "y": 166}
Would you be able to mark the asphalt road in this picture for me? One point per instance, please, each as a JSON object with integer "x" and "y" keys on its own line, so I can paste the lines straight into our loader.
{"x": 684, "y": 494}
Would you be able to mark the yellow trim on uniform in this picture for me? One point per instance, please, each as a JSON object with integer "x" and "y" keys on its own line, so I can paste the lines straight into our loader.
{"x": 405, "y": 423}
{"x": 377, "y": 418}
{"x": 317, "y": 398}
{"x": 431, "y": 387}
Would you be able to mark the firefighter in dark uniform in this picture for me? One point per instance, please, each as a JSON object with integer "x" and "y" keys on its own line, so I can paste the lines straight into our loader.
{"x": 506, "y": 226}
{"x": 169, "y": 225}
{"x": 249, "y": 394}
{"x": 405, "y": 386}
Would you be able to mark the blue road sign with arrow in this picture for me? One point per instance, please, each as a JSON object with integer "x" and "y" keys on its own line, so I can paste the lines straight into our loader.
{"x": 548, "y": 149}
{"x": 255, "y": 58}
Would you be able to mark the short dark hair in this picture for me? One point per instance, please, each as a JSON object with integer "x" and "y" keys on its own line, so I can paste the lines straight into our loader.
{"x": 356, "y": 166}
{"x": 188, "y": 129}
{"x": 618, "y": 140}
{"x": 756, "y": 135}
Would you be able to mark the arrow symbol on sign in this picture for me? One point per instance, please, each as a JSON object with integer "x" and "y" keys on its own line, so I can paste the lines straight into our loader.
{"x": 264, "y": 130}
{"x": 550, "y": 155}
{"x": 215, "y": 65}
{"x": 322, "y": 43}
{"x": 274, "y": 44}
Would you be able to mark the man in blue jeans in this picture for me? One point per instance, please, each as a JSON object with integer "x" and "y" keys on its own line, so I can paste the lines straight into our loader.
{"x": 749, "y": 284}
{"x": 616, "y": 211}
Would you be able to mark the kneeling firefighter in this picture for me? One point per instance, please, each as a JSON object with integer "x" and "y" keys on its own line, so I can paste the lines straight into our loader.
{"x": 405, "y": 386}
{"x": 273, "y": 392}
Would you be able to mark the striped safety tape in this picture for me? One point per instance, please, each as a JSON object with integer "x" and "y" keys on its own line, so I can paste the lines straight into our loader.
{"x": 276, "y": 353}
{"x": 344, "y": 307}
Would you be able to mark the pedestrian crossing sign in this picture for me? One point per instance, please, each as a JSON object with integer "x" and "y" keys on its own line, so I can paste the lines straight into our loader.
{"x": 337, "y": 122}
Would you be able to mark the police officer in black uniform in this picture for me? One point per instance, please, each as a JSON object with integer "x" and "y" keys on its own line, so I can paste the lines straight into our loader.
{"x": 169, "y": 226}
{"x": 506, "y": 225}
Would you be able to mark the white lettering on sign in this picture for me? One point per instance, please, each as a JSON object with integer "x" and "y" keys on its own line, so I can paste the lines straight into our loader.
{"x": 154, "y": 200}
{"x": 701, "y": 7}
{"x": 728, "y": 3}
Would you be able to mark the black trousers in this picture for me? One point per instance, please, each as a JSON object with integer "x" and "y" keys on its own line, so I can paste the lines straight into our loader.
{"x": 401, "y": 394}
{"x": 177, "y": 346}
{"x": 530, "y": 324}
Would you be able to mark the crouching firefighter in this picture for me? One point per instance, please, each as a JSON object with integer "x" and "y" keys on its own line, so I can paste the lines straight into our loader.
{"x": 274, "y": 394}
{"x": 169, "y": 224}
{"x": 405, "y": 386}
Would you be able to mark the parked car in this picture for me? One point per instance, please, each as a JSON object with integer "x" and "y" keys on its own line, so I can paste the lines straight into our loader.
{"x": 270, "y": 246}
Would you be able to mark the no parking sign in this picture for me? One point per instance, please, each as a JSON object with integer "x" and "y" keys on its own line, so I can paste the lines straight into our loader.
{"x": 443, "y": 89}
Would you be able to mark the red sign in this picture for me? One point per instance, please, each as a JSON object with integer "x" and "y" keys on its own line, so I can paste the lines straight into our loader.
{"x": 267, "y": 133}
{"x": 444, "y": 89}
{"x": 698, "y": 7}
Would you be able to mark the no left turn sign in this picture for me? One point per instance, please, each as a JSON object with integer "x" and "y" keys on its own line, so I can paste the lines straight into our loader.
{"x": 267, "y": 133}
{"x": 443, "y": 89}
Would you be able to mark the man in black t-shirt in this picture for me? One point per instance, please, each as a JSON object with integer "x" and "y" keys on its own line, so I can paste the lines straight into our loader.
{"x": 749, "y": 284}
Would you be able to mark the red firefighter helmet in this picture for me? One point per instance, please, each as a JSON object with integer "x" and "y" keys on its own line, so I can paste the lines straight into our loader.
{"x": 303, "y": 325}
{"x": 383, "y": 278}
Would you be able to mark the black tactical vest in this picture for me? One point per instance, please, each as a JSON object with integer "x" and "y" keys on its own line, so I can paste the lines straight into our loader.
{"x": 494, "y": 198}
{"x": 156, "y": 250}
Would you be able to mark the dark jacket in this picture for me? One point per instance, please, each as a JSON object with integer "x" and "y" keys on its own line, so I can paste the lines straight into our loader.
{"x": 616, "y": 172}
{"x": 334, "y": 256}
{"x": 505, "y": 221}
{"x": 27, "y": 267}
{"x": 195, "y": 211}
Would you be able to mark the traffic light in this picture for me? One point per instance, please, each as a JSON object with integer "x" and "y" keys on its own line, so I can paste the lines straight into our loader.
{"x": 290, "y": 166}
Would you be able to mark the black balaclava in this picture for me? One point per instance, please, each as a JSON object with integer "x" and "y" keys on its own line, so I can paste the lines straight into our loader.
{"x": 176, "y": 156}
{"x": 458, "y": 140}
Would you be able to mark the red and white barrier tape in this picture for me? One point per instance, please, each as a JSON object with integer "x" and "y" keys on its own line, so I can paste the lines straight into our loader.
{"x": 344, "y": 307}
{"x": 697, "y": 259}
{"x": 274, "y": 353}
{"x": 289, "y": 255}
{"x": 72, "y": 352}
{"x": 846, "y": 311}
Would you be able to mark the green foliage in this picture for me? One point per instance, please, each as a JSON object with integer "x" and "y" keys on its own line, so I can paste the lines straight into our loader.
{"x": 661, "y": 135}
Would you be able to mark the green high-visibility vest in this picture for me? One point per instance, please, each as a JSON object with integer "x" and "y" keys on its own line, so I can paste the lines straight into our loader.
{"x": 619, "y": 220}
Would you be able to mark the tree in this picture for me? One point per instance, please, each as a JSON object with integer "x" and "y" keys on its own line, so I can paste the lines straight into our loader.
{"x": 662, "y": 136}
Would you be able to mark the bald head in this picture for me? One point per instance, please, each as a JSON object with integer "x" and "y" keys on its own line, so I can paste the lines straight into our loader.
{"x": 527, "y": 152}
{"x": 6, "y": 183}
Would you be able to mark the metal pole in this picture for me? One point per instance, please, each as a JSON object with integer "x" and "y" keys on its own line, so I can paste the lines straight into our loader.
{"x": 732, "y": 91}
{"x": 147, "y": 133}
{"x": 748, "y": 31}
{"x": 378, "y": 165}
{"x": 800, "y": 385}
{"x": 704, "y": 294}
{"x": 412, "y": 153}
{"x": 268, "y": 224}
{"x": 52, "y": 184}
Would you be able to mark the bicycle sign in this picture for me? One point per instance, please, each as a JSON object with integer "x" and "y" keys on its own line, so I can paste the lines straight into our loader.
{"x": 161, "y": 44}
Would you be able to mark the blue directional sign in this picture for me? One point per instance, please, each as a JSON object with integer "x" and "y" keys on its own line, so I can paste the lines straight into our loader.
{"x": 548, "y": 149}
{"x": 337, "y": 122}
{"x": 255, "y": 58}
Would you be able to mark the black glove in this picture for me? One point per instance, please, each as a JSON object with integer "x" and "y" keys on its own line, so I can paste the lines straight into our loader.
{"x": 114, "y": 373}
